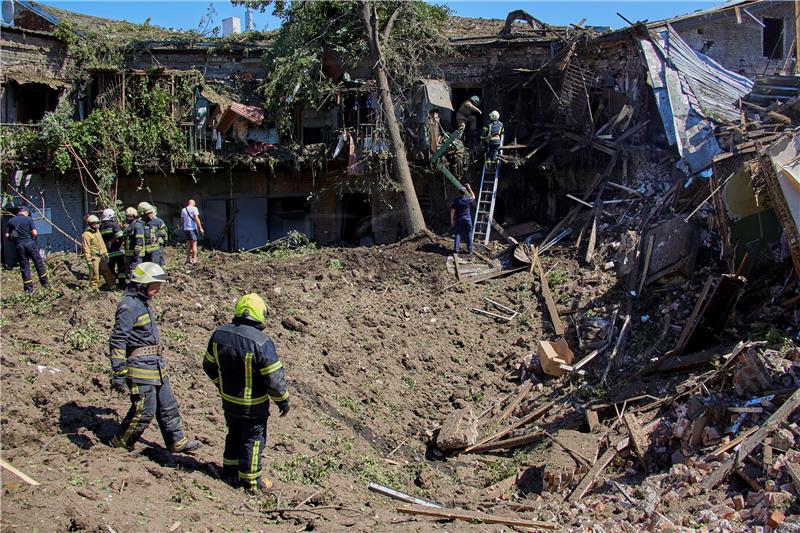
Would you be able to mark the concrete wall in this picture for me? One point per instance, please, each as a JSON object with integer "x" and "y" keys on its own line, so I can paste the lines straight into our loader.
{"x": 64, "y": 196}
{"x": 738, "y": 47}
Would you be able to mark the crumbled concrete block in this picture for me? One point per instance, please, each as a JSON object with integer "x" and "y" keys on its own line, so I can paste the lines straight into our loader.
{"x": 459, "y": 430}
{"x": 775, "y": 519}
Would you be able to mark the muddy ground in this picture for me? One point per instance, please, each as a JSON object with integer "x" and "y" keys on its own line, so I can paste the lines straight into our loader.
{"x": 375, "y": 356}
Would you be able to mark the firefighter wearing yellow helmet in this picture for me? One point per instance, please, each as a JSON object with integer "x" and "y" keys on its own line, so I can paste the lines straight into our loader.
{"x": 138, "y": 365}
{"x": 155, "y": 233}
{"x": 242, "y": 362}
{"x": 96, "y": 254}
{"x": 133, "y": 240}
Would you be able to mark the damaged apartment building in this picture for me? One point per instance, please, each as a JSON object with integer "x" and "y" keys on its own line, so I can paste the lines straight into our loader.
{"x": 581, "y": 105}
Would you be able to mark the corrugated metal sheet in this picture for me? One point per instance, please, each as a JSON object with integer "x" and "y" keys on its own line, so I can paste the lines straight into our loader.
{"x": 252, "y": 113}
{"x": 693, "y": 92}
{"x": 770, "y": 89}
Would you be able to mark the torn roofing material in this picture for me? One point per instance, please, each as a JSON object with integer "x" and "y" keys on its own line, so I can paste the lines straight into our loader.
{"x": 784, "y": 155}
{"x": 693, "y": 93}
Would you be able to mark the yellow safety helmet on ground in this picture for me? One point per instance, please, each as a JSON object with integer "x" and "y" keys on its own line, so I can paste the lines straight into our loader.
{"x": 131, "y": 212}
{"x": 91, "y": 219}
{"x": 251, "y": 306}
{"x": 145, "y": 273}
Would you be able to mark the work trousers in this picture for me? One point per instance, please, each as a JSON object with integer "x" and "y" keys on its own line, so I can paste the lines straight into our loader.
{"x": 27, "y": 251}
{"x": 156, "y": 256}
{"x": 98, "y": 266}
{"x": 244, "y": 443}
{"x": 463, "y": 229}
{"x": 491, "y": 151}
{"x": 148, "y": 401}
{"x": 116, "y": 264}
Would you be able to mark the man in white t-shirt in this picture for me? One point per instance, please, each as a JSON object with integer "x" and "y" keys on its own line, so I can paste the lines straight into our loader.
{"x": 191, "y": 225}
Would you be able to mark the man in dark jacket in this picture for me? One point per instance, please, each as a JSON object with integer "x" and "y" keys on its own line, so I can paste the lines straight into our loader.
{"x": 21, "y": 229}
{"x": 242, "y": 362}
{"x": 137, "y": 364}
{"x": 133, "y": 240}
{"x": 155, "y": 234}
{"x": 461, "y": 218}
{"x": 112, "y": 235}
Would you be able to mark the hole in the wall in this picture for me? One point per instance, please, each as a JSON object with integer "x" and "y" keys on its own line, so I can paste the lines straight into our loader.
{"x": 772, "y": 38}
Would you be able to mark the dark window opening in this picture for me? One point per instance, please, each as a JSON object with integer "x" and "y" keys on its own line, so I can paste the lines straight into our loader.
{"x": 288, "y": 213}
{"x": 27, "y": 103}
{"x": 773, "y": 38}
{"x": 356, "y": 218}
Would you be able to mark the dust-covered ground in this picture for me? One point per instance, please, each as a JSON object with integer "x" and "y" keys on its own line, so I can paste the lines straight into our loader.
{"x": 375, "y": 354}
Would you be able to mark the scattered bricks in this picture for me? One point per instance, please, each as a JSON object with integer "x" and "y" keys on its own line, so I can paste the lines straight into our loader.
{"x": 738, "y": 502}
{"x": 671, "y": 497}
{"x": 746, "y": 514}
{"x": 679, "y": 472}
{"x": 775, "y": 519}
{"x": 769, "y": 485}
{"x": 723, "y": 511}
{"x": 783, "y": 439}
{"x": 754, "y": 498}
{"x": 778, "y": 499}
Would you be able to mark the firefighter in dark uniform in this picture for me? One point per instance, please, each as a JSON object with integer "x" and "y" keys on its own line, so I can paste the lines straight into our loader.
{"x": 155, "y": 234}
{"x": 112, "y": 235}
{"x": 21, "y": 229}
{"x": 493, "y": 137}
{"x": 132, "y": 240}
{"x": 242, "y": 362}
{"x": 138, "y": 365}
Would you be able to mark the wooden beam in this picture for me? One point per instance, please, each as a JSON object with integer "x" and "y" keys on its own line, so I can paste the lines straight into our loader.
{"x": 513, "y": 405}
{"x": 558, "y": 326}
{"x": 535, "y": 415}
{"x": 508, "y": 443}
{"x": 591, "y": 476}
{"x": 747, "y": 447}
{"x": 475, "y": 516}
{"x": 794, "y": 473}
{"x": 14, "y": 470}
{"x": 719, "y": 452}
{"x": 458, "y": 269}
{"x": 647, "y": 255}
{"x": 637, "y": 439}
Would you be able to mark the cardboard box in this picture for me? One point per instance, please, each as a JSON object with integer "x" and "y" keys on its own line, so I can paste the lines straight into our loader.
{"x": 552, "y": 354}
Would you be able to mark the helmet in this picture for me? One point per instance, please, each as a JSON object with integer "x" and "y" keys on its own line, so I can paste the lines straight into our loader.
{"x": 252, "y": 307}
{"x": 131, "y": 212}
{"x": 145, "y": 273}
{"x": 108, "y": 214}
{"x": 494, "y": 115}
{"x": 145, "y": 208}
{"x": 91, "y": 219}
{"x": 475, "y": 100}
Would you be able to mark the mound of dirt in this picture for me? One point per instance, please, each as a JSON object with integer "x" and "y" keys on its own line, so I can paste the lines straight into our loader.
{"x": 375, "y": 357}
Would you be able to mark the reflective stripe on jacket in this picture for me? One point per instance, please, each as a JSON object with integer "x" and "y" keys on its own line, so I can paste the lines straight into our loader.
{"x": 242, "y": 362}
{"x": 134, "y": 327}
{"x": 133, "y": 244}
{"x": 155, "y": 234}
{"x": 493, "y": 131}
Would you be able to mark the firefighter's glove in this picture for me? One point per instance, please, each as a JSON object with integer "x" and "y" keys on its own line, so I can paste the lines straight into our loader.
{"x": 119, "y": 384}
{"x": 284, "y": 409}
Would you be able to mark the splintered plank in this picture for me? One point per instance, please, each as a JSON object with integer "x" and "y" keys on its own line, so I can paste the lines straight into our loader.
{"x": 779, "y": 416}
{"x": 475, "y": 516}
{"x": 535, "y": 415}
{"x": 508, "y": 443}
{"x": 794, "y": 472}
{"x": 513, "y": 405}
{"x": 591, "y": 476}
{"x": 558, "y": 326}
{"x": 637, "y": 439}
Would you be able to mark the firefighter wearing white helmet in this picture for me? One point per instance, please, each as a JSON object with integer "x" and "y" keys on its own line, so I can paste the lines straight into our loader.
{"x": 96, "y": 255}
{"x": 138, "y": 365}
{"x": 112, "y": 235}
{"x": 132, "y": 240}
{"x": 155, "y": 234}
{"x": 493, "y": 137}
{"x": 242, "y": 353}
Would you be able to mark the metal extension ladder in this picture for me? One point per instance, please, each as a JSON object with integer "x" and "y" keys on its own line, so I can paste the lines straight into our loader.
{"x": 484, "y": 211}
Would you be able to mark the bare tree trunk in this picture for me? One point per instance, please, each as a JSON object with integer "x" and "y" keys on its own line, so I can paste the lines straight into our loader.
{"x": 413, "y": 214}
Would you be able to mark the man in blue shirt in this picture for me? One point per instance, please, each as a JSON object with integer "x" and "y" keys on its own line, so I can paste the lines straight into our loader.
{"x": 461, "y": 218}
{"x": 22, "y": 230}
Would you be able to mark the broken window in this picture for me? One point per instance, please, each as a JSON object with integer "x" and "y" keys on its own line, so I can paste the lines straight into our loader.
{"x": 772, "y": 39}
{"x": 26, "y": 103}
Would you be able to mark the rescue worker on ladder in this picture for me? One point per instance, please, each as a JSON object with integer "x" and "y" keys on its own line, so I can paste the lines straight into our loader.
{"x": 466, "y": 115}
{"x": 493, "y": 137}
{"x": 138, "y": 365}
{"x": 133, "y": 240}
{"x": 155, "y": 234}
{"x": 112, "y": 236}
{"x": 22, "y": 230}
{"x": 242, "y": 362}
{"x": 96, "y": 255}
